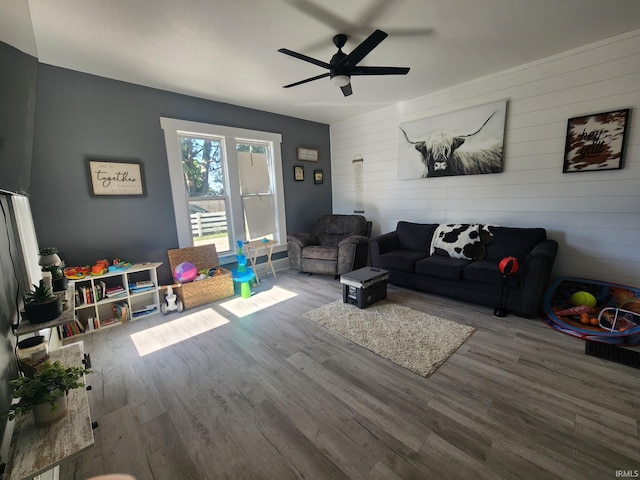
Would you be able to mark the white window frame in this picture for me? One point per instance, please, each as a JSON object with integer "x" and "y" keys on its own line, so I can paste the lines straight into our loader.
{"x": 173, "y": 129}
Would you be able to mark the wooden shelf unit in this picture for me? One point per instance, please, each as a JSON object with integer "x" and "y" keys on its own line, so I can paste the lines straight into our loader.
{"x": 95, "y": 314}
{"x": 35, "y": 450}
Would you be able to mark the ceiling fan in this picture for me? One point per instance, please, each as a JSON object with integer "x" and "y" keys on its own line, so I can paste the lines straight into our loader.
{"x": 342, "y": 66}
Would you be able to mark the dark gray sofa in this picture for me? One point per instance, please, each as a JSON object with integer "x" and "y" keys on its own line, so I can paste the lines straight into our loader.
{"x": 413, "y": 262}
{"x": 337, "y": 244}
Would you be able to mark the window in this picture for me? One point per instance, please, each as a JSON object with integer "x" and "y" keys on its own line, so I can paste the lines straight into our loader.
{"x": 226, "y": 184}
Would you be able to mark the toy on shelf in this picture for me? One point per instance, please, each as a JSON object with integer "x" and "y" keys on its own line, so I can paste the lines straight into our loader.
{"x": 75, "y": 273}
{"x": 118, "y": 265}
{"x": 100, "y": 267}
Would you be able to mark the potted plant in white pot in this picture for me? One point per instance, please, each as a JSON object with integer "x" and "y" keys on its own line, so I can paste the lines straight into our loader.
{"x": 51, "y": 262}
{"x": 45, "y": 393}
{"x": 58, "y": 280}
{"x": 41, "y": 305}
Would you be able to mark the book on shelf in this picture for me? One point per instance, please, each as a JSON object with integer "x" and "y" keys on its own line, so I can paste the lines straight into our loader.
{"x": 115, "y": 291}
{"x": 121, "y": 311}
{"x": 70, "y": 329}
{"x": 144, "y": 311}
{"x": 139, "y": 287}
{"x": 105, "y": 322}
{"x": 84, "y": 295}
{"x": 100, "y": 290}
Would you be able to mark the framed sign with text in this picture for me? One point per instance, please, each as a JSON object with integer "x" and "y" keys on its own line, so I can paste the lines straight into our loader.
{"x": 308, "y": 154}
{"x": 596, "y": 142}
{"x": 115, "y": 178}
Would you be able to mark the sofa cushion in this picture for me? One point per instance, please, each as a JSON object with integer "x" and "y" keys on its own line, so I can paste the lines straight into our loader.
{"x": 415, "y": 236}
{"x": 487, "y": 271}
{"x": 516, "y": 242}
{"x": 402, "y": 260}
{"x": 461, "y": 240}
{"x": 318, "y": 252}
{"x": 442, "y": 267}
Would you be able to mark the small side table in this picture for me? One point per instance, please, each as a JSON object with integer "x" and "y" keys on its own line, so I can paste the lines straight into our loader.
{"x": 253, "y": 249}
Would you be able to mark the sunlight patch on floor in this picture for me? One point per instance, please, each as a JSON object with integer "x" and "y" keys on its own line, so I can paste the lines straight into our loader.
{"x": 173, "y": 332}
{"x": 241, "y": 307}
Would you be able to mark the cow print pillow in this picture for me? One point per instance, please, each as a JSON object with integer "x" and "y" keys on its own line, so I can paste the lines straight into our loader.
{"x": 461, "y": 240}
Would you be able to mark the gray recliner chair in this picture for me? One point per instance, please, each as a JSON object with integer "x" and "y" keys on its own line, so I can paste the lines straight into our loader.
{"x": 337, "y": 244}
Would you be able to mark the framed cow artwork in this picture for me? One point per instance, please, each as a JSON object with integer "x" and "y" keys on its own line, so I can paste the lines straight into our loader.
{"x": 596, "y": 142}
{"x": 465, "y": 142}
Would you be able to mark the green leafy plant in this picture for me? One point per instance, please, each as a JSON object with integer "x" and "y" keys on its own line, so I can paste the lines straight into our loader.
{"x": 39, "y": 294}
{"x": 47, "y": 385}
{"x": 48, "y": 251}
{"x": 56, "y": 271}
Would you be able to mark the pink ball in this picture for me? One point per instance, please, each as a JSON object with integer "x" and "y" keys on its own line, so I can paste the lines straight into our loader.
{"x": 185, "y": 272}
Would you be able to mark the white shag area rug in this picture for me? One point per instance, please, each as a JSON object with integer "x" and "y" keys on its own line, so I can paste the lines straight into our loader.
{"x": 414, "y": 340}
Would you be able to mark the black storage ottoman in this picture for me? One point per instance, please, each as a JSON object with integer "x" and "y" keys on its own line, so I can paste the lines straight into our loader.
{"x": 364, "y": 287}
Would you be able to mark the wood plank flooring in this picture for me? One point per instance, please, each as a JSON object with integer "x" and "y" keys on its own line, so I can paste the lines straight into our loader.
{"x": 272, "y": 395}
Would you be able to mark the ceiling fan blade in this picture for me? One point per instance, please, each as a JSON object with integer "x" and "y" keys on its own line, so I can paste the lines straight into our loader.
{"x": 362, "y": 50}
{"x": 410, "y": 32}
{"x": 379, "y": 71}
{"x": 306, "y": 58}
{"x": 323, "y": 15}
{"x": 346, "y": 90}
{"x": 317, "y": 77}
{"x": 374, "y": 12}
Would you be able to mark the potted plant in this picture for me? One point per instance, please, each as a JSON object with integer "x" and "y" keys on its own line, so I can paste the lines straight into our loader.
{"x": 51, "y": 262}
{"x": 59, "y": 281}
{"x": 45, "y": 393}
{"x": 41, "y": 305}
{"x": 49, "y": 256}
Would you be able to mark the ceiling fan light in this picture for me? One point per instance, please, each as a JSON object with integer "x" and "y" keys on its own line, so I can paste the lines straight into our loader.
{"x": 340, "y": 80}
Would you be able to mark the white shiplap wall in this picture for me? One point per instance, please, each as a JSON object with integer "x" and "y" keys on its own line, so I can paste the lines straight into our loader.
{"x": 595, "y": 216}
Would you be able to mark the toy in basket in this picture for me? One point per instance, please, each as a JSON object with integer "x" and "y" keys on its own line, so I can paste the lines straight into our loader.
{"x": 213, "y": 287}
{"x": 594, "y": 310}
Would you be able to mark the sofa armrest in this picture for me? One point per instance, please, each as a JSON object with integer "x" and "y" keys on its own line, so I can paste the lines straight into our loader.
{"x": 537, "y": 270}
{"x": 354, "y": 239}
{"x": 295, "y": 243}
{"x": 385, "y": 243}
{"x": 353, "y": 252}
{"x": 303, "y": 239}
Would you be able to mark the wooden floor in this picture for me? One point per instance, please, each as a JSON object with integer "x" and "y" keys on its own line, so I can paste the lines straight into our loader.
{"x": 269, "y": 394}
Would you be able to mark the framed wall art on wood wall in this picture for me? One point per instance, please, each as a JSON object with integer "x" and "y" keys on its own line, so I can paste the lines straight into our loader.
{"x": 595, "y": 142}
{"x": 115, "y": 178}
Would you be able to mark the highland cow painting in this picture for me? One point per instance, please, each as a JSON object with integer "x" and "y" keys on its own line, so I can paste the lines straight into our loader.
{"x": 466, "y": 142}
{"x": 595, "y": 142}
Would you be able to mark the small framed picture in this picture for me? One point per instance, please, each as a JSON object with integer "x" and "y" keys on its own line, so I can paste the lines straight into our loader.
{"x": 115, "y": 178}
{"x": 595, "y": 142}
{"x": 308, "y": 154}
{"x": 318, "y": 177}
{"x": 298, "y": 173}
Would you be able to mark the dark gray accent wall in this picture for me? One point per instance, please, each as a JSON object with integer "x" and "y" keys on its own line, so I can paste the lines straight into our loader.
{"x": 80, "y": 115}
{"x": 18, "y": 82}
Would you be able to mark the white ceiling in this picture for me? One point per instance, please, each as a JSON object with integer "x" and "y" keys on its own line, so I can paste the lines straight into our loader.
{"x": 226, "y": 50}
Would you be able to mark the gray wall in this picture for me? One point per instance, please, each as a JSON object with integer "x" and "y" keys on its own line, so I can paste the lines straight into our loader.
{"x": 80, "y": 115}
{"x": 17, "y": 112}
